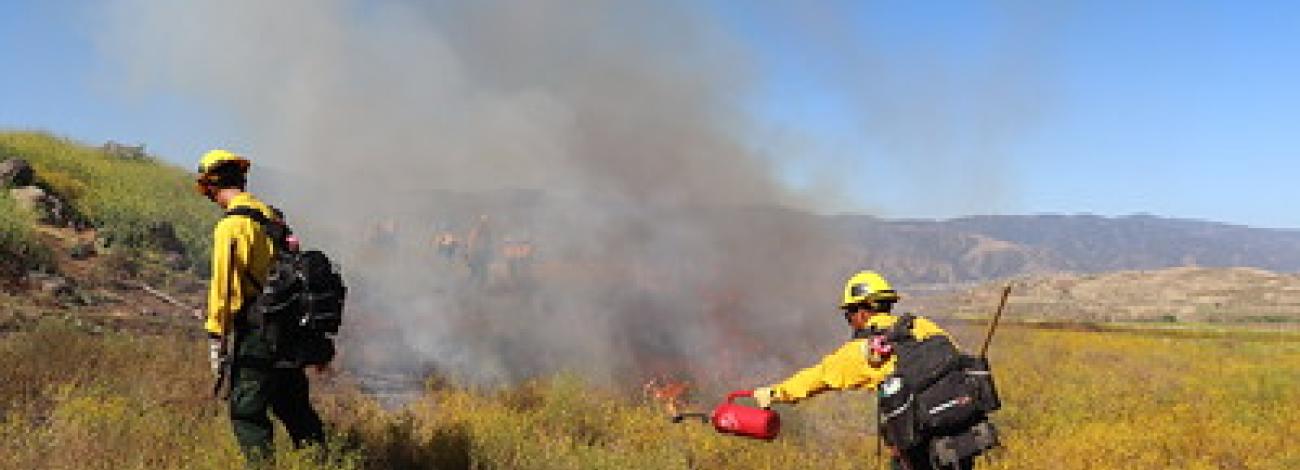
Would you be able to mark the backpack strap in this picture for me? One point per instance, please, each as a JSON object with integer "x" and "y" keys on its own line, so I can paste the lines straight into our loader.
{"x": 252, "y": 213}
{"x": 902, "y": 329}
{"x": 274, "y": 230}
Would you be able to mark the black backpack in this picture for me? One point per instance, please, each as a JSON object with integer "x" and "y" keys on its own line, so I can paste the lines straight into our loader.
{"x": 300, "y": 307}
{"x": 936, "y": 395}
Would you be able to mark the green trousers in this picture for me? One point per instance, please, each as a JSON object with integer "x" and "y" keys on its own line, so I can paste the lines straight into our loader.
{"x": 284, "y": 392}
{"x": 918, "y": 458}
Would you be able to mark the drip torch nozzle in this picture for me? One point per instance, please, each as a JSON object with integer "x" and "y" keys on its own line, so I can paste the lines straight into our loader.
{"x": 703, "y": 417}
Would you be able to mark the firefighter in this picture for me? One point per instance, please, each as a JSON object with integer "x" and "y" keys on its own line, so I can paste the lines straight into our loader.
{"x": 447, "y": 245}
{"x": 860, "y": 363}
{"x": 519, "y": 259}
{"x": 479, "y": 246}
{"x": 241, "y": 256}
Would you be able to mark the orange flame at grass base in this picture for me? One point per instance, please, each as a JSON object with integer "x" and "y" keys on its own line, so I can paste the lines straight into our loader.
{"x": 671, "y": 394}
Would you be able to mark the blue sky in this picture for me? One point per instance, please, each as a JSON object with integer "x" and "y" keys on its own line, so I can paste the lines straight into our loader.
{"x": 1187, "y": 109}
{"x": 54, "y": 80}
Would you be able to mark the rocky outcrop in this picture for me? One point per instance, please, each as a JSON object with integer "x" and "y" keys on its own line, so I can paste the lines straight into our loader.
{"x": 48, "y": 209}
{"x": 21, "y": 180}
{"x": 125, "y": 152}
{"x": 16, "y": 172}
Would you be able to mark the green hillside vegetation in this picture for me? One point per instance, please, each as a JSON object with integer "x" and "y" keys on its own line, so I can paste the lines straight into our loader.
{"x": 126, "y": 199}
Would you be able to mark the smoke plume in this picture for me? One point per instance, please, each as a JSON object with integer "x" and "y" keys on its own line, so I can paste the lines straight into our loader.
{"x": 939, "y": 100}
{"x": 604, "y": 133}
{"x": 609, "y": 135}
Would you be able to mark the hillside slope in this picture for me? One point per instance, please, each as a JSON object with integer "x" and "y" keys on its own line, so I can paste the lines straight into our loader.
{"x": 133, "y": 202}
{"x": 1184, "y": 294}
{"x": 112, "y": 242}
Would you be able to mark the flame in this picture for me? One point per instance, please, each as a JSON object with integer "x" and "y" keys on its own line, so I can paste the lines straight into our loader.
{"x": 671, "y": 394}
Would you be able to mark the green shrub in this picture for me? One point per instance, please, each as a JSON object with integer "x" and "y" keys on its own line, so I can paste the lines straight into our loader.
{"x": 20, "y": 249}
{"x": 69, "y": 187}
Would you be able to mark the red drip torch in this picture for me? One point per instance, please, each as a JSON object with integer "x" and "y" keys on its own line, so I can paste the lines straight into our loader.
{"x": 741, "y": 420}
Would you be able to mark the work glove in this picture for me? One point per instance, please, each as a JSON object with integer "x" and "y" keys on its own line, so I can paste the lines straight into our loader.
{"x": 216, "y": 354}
{"x": 764, "y": 396}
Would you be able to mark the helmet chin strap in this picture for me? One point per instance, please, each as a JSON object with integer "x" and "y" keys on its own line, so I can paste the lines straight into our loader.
{"x": 204, "y": 188}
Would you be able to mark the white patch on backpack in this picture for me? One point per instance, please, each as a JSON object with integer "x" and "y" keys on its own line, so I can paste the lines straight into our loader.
{"x": 891, "y": 386}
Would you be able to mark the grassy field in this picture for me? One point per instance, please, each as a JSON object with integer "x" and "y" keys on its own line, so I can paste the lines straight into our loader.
{"x": 72, "y": 398}
{"x": 79, "y": 391}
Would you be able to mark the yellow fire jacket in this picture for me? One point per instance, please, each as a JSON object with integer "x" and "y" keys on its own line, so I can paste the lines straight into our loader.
{"x": 253, "y": 251}
{"x": 847, "y": 367}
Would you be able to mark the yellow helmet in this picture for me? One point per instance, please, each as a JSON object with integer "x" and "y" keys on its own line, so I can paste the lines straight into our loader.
{"x": 215, "y": 169}
{"x": 867, "y": 286}
{"x": 216, "y": 157}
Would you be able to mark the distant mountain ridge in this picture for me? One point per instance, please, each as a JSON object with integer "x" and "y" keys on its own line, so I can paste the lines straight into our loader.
{"x": 987, "y": 247}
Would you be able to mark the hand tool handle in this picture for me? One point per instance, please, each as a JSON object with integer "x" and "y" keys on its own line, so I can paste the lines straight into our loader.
{"x": 993, "y": 325}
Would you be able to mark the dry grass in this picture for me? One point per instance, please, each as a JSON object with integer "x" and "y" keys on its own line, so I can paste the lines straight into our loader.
{"x": 1106, "y": 400}
{"x": 76, "y": 399}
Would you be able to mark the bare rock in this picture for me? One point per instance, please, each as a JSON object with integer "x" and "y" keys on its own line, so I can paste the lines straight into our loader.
{"x": 49, "y": 209}
{"x": 50, "y": 283}
{"x": 31, "y": 198}
{"x": 16, "y": 172}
